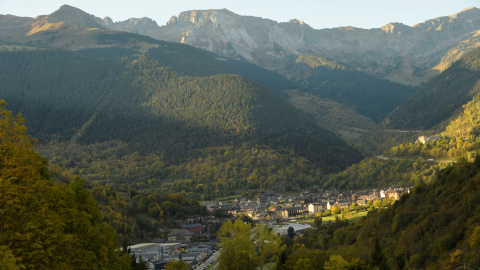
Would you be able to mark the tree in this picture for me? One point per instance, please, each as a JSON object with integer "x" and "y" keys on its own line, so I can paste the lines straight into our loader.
{"x": 336, "y": 210}
{"x": 377, "y": 258}
{"x": 237, "y": 249}
{"x": 475, "y": 238}
{"x": 336, "y": 262}
{"x": 7, "y": 260}
{"x": 45, "y": 225}
{"x": 317, "y": 222}
{"x": 177, "y": 265}
{"x": 304, "y": 264}
{"x": 291, "y": 232}
{"x": 267, "y": 244}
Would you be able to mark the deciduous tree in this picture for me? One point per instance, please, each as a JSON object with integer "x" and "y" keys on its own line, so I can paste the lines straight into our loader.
{"x": 237, "y": 249}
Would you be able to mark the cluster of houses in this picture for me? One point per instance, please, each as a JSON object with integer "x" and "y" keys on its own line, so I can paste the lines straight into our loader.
{"x": 266, "y": 207}
{"x": 273, "y": 206}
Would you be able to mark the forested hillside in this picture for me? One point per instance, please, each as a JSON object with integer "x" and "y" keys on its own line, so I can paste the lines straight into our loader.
{"x": 448, "y": 106}
{"x": 372, "y": 97}
{"x": 439, "y": 99}
{"x": 47, "y": 225}
{"x": 379, "y": 173}
{"x": 147, "y": 105}
{"x": 436, "y": 226}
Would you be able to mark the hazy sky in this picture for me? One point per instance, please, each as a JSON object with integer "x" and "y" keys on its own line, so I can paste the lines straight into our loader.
{"x": 317, "y": 13}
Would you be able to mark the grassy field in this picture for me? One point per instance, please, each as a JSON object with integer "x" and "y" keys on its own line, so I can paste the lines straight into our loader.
{"x": 228, "y": 198}
{"x": 353, "y": 217}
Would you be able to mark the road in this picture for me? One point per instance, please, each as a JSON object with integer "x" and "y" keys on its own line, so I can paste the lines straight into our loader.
{"x": 210, "y": 261}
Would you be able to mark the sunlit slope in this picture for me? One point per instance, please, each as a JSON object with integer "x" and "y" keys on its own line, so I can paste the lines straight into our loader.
{"x": 441, "y": 97}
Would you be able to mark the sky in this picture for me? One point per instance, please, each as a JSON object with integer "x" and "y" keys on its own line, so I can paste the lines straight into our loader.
{"x": 318, "y": 14}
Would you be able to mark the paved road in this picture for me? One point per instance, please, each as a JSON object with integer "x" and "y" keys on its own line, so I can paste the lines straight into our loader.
{"x": 209, "y": 262}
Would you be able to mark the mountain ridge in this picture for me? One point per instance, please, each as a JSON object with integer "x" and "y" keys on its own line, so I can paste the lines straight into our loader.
{"x": 229, "y": 34}
{"x": 397, "y": 52}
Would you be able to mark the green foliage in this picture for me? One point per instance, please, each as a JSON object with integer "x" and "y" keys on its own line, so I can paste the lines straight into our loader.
{"x": 214, "y": 172}
{"x": 177, "y": 265}
{"x": 237, "y": 250}
{"x": 317, "y": 222}
{"x": 46, "y": 225}
{"x": 304, "y": 264}
{"x": 150, "y": 109}
{"x": 132, "y": 213}
{"x": 475, "y": 238}
{"x": 435, "y": 226}
{"x": 299, "y": 256}
{"x": 378, "y": 173}
{"x": 336, "y": 262}
{"x": 7, "y": 259}
{"x": 267, "y": 244}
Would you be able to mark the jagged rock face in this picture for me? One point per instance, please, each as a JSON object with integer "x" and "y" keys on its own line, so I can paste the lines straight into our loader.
{"x": 141, "y": 26}
{"x": 409, "y": 55}
{"x": 396, "y": 52}
{"x": 400, "y": 53}
{"x": 261, "y": 41}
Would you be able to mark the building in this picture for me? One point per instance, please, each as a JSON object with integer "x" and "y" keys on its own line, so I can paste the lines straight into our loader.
{"x": 194, "y": 228}
{"x": 294, "y": 211}
{"x": 179, "y": 234}
{"x": 317, "y": 207}
{"x": 425, "y": 139}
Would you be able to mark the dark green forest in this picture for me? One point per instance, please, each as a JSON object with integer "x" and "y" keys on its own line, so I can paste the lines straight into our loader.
{"x": 371, "y": 96}
{"x": 144, "y": 105}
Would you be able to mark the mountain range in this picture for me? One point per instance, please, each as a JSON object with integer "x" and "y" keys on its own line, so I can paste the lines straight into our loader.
{"x": 343, "y": 77}
{"x": 180, "y": 112}
{"x": 397, "y": 52}
{"x": 400, "y": 53}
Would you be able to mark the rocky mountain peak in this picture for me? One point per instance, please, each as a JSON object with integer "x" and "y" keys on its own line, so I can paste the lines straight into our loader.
{"x": 76, "y": 16}
{"x": 295, "y": 21}
{"x": 465, "y": 19}
{"x": 108, "y": 21}
{"x": 199, "y": 17}
{"x": 397, "y": 28}
{"x": 468, "y": 14}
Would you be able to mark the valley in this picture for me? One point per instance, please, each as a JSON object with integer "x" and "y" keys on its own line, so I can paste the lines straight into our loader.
{"x": 137, "y": 130}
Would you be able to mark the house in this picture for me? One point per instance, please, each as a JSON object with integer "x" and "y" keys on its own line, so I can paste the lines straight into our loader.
{"x": 361, "y": 202}
{"x": 194, "y": 228}
{"x": 294, "y": 211}
{"x": 273, "y": 215}
{"x": 261, "y": 199}
{"x": 395, "y": 193}
{"x": 317, "y": 207}
{"x": 179, "y": 234}
{"x": 330, "y": 205}
{"x": 210, "y": 205}
{"x": 342, "y": 204}
{"x": 425, "y": 139}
